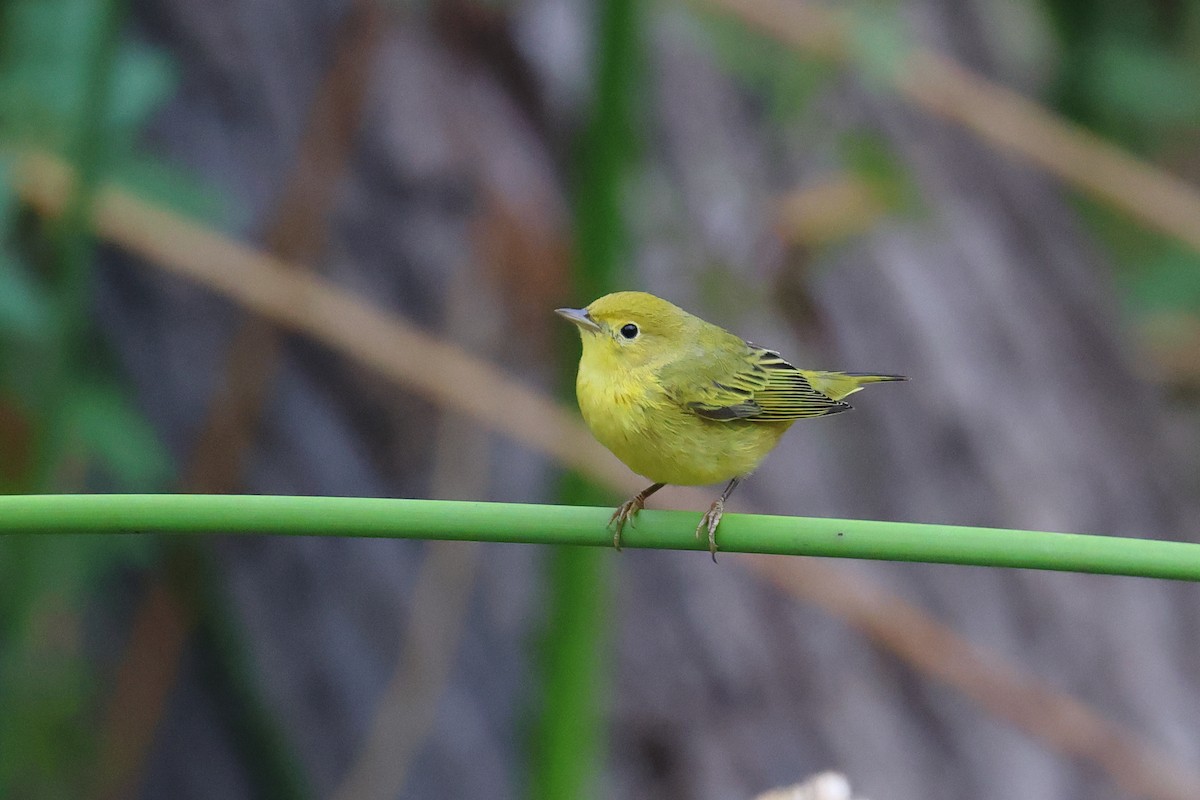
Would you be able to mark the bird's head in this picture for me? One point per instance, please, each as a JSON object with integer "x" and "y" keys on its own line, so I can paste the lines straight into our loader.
{"x": 630, "y": 329}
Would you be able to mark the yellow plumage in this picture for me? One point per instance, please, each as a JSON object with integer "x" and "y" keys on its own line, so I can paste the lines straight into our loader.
{"x": 680, "y": 400}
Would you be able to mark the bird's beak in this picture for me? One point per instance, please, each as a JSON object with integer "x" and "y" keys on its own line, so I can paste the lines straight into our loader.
{"x": 580, "y": 317}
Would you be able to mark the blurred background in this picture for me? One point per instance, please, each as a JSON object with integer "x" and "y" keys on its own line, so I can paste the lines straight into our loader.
{"x": 226, "y": 227}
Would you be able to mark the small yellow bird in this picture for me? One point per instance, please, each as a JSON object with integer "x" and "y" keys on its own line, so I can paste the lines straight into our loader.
{"x": 680, "y": 400}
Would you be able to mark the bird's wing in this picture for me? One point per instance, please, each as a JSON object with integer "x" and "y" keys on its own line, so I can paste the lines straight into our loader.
{"x": 757, "y": 385}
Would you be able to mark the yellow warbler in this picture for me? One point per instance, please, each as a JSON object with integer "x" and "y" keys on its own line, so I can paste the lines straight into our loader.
{"x": 682, "y": 401}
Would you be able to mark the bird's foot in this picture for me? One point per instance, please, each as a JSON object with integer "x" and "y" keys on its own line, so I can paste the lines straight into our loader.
{"x": 624, "y": 514}
{"x": 709, "y": 522}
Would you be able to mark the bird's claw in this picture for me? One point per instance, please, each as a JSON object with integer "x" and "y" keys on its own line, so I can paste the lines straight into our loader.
{"x": 709, "y": 522}
{"x": 624, "y": 513}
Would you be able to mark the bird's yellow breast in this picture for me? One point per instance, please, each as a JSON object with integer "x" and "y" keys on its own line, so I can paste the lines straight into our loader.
{"x": 632, "y": 414}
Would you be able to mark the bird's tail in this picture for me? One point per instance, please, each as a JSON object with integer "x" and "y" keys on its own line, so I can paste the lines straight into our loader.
{"x": 843, "y": 384}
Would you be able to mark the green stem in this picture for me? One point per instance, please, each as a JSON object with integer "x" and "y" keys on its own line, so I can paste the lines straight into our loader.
{"x": 606, "y": 150}
{"x": 568, "y": 742}
{"x": 582, "y": 525}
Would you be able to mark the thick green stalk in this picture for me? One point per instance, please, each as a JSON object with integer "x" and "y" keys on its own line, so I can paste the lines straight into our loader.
{"x": 569, "y": 735}
{"x": 606, "y": 150}
{"x": 580, "y": 525}
{"x": 568, "y": 739}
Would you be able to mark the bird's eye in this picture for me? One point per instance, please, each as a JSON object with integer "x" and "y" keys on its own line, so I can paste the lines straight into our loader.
{"x": 629, "y": 330}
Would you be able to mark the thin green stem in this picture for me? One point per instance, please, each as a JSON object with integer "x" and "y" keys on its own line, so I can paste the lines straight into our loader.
{"x": 582, "y": 525}
{"x": 606, "y": 150}
{"x": 568, "y": 741}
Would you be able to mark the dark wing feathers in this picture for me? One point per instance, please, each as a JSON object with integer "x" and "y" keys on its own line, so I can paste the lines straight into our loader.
{"x": 756, "y": 385}
{"x": 747, "y": 410}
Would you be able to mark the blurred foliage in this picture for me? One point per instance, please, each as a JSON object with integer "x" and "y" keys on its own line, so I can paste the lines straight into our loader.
{"x": 778, "y": 76}
{"x": 880, "y": 41}
{"x": 868, "y": 156}
{"x": 1131, "y": 72}
{"x": 786, "y": 82}
{"x": 68, "y": 83}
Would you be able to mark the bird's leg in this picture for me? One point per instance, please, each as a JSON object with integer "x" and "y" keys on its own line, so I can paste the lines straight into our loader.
{"x": 712, "y": 517}
{"x": 625, "y": 512}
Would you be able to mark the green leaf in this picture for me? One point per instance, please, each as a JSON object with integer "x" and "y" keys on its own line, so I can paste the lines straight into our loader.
{"x": 24, "y": 310}
{"x": 46, "y": 686}
{"x": 42, "y": 741}
{"x": 143, "y": 81}
{"x": 786, "y": 79}
{"x": 879, "y": 41}
{"x": 871, "y": 158}
{"x": 119, "y": 438}
{"x": 8, "y": 194}
{"x": 1168, "y": 280}
{"x": 44, "y": 50}
{"x": 1146, "y": 84}
{"x": 165, "y": 185}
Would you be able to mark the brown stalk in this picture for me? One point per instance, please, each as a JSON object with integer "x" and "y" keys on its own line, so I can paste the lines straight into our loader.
{"x": 143, "y": 682}
{"x": 829, "y": 211}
